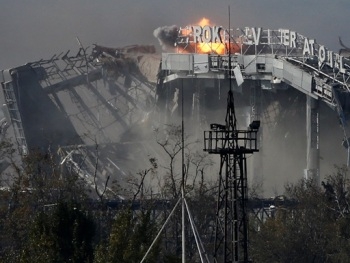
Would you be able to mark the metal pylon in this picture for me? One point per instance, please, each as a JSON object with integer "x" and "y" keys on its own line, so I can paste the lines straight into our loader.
{"x": 231, "y": 231}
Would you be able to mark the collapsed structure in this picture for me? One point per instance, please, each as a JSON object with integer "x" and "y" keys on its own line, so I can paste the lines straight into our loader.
{"x": 99, "y": 104}
{"x": 97, "y": 109}
{"x": 87, "y": 107}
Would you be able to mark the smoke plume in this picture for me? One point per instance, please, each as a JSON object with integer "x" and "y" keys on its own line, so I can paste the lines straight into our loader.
{"x": 166, "y": 36}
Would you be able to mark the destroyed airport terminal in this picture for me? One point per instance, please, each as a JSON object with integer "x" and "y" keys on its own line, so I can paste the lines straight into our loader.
{"x": 104, "y": 103}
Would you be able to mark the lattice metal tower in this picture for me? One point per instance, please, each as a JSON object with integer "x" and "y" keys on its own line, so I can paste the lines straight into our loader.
{"x": 231, "y": 232}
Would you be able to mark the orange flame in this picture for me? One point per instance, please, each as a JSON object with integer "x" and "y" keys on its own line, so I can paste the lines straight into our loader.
{"x": 218, "y": 48}
{"x": 204, "y": 48}
{"x": 204, "y": 22}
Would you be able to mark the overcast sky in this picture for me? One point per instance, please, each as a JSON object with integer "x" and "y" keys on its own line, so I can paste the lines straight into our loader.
{"x": 35, "y": 29}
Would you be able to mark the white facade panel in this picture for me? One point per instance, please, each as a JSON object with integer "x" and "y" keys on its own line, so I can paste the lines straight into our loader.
{"x": 277, "y": 68}
{"x": 268, "y": 64}
{"x": 200, "y": 63}
{"x": 250, "y": 64}
{"x": 307, "y": 82}
{"x": 261, "y": 59}
{"x": 278, "y": 64}
{"x": 287, "y": 74}
{"x": 277, "y": 73}
{"x": 293, "y": 75}
{"x": 238, "y": 75}
{"x": 177, "y": 62}
{"x": 240, "y": 59}
{"x": 297, "y": 78}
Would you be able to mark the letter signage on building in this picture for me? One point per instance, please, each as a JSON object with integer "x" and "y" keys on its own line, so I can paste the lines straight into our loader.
{"x": 282, "y": 37}
{"x": 206, "y": 34}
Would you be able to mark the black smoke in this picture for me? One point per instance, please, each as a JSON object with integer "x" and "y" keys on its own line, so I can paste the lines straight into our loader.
{"x": 166, "y": 36}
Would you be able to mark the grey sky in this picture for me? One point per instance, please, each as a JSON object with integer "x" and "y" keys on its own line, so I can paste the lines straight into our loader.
{"x": 34, "y": 29}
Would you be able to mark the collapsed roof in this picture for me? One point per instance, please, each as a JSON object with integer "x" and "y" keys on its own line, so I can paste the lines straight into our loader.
{"x": 73, "y": 103}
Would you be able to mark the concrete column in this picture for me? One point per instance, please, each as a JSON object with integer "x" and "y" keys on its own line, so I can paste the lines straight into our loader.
{"x": 255, "y": 114}
{"x": 312, "y": 170}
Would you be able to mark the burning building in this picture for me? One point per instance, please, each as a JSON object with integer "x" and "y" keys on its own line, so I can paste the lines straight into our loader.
{"x": 114, "y": 97}
{"x": 279, "y": 76}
